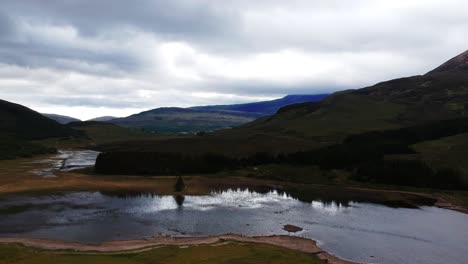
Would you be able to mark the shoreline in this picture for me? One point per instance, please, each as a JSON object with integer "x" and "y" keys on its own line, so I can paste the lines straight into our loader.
{"x": 300, "y": 244}
{"x": 18, "y": 178}
{"x": 441, "y": 202}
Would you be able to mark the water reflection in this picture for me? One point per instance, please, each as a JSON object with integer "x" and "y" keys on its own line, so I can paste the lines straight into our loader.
{"x": 179, "y": 199}
{"x": 93, "y": 217}
{"x": 328, "y": 200}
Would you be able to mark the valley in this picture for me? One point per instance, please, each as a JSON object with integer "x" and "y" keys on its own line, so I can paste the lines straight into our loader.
{"x": 351, "y": 164}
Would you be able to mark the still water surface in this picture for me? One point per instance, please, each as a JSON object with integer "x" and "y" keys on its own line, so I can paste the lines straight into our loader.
{"x": 66, "y": 160}
{"x": 360, "y": 232}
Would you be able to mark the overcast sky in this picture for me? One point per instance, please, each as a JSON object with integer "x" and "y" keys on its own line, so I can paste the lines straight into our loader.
{"x": 88, "y": 58}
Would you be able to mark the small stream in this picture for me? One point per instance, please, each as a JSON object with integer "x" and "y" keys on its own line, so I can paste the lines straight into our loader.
{"x": 66, "y": 160}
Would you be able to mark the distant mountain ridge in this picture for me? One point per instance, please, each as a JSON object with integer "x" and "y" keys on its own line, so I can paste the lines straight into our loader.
{"x": 207, "y": 118}
{"x": 61, "y": 118}
{"x": 102, "y": 118}
{"x": 266, "y": 107}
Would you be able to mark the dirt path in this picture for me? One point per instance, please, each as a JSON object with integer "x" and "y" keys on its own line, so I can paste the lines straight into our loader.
{"x": 288, "y": 242}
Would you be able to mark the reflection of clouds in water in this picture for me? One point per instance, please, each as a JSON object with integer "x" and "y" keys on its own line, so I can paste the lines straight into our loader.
{"x": 330, "y": 208}
{"x": 150, "y": 204}
{"x": 94, "y": 217}
{"x": 239, "y": 199}
{"x": 226, "y": 199}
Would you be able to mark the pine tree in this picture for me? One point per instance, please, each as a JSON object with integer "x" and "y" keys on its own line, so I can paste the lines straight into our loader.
{"x": 180, "y": 185}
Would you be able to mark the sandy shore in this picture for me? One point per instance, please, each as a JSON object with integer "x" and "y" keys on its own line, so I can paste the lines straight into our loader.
{"x": 288, "y": 242}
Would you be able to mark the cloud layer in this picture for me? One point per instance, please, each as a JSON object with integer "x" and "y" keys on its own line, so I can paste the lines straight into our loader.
{"x": 88, "y": 58}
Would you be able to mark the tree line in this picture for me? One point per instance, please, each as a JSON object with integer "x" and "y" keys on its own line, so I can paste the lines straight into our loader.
{"x": 363, "y": 155}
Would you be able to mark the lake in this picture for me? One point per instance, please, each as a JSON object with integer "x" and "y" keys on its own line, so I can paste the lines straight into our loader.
{"x": 361, "y": 232}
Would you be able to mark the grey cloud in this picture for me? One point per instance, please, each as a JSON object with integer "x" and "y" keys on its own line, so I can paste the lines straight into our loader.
{"x": 120, "y": 41}
{"x": 93, "y": 102}
{"x": 6, "y": 25}
{"x": 172, "y": 18}
{"x": 227, "y": 27}
{"x": 37, "y": 55}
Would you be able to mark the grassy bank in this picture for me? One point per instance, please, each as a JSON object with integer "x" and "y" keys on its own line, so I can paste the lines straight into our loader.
{"x": 216, "y": 253}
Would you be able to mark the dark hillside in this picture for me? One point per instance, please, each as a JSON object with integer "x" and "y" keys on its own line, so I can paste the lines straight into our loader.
{"x": 19, "y": 125}
{"x": 19, "y": 122}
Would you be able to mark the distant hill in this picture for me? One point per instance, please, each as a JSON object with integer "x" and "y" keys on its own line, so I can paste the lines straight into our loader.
{"x": 174, "y": 119}
{"x": 61, "y": 118}
{"x": 102, "y": 132}
{"x": 266, "y": 107}
{"x": 102, "y": 118}
{"x": 207, "y": 118}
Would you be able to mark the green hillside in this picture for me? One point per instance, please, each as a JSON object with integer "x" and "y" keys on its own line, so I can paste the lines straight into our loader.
{"x": 174, "y": 119}
{"x": 102, "y": 133}
{"x": 339, "y": 115}
{"x": 438, "y": 95}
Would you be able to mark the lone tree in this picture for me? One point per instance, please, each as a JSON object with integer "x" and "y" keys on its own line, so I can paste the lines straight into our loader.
{"x": 180, "y": 185}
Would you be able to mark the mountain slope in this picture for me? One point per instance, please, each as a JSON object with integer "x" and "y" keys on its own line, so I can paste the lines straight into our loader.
{"x": 61, "y": 118}
{"x": 20, "y": 125}
{"x": 266, "y": 107}
{"x": 458, "y": 63}
{"x": 438, "y": 95}
{"x": 19, "y": 122}
{"x": 206, "y": 118}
